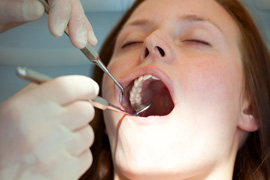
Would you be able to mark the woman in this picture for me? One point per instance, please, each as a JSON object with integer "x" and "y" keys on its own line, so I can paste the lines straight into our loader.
{"x": 213, "y": 79}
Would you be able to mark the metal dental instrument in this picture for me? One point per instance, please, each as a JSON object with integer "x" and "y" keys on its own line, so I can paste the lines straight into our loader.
{"x": 91, "y": 54}
{"x": 98, "y": 102}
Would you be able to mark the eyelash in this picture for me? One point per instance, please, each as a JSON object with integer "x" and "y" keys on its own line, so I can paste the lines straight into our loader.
{"x": 198, "y": 41}
{"x": 130, "y": 44}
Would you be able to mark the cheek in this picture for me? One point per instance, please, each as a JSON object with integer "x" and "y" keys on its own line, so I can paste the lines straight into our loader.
{"x": 212, "y": 81}
{"x": 209, "y": 77}
{"x": 209, "y": 99}
{"x": 120, "y": 66}
{"x": 125, "y": 61}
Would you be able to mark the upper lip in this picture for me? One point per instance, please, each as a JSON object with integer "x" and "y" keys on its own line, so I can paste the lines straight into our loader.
{"x": 125, "y": 80}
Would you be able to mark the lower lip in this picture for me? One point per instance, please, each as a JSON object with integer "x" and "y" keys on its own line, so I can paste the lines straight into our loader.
{"x": 148, "y": 120}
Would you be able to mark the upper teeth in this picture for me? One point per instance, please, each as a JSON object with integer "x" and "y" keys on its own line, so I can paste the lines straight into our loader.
{"x": 135, "y": 93}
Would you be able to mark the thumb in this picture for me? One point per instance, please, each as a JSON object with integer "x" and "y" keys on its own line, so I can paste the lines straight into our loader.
{"x": 18, "y": 11}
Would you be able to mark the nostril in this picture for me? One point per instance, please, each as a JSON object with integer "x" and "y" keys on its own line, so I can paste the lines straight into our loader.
{"x": 161, "y": 51}
{"x": 146, "y": 52}
{"x": 157, "y": 50}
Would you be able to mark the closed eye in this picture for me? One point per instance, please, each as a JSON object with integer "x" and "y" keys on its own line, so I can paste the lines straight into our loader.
{"x": 131, "y": 43}
{"x": 198, "y": 42}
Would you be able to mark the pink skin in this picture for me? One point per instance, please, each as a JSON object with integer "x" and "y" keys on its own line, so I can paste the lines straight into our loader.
{"x": 200, "y": 137}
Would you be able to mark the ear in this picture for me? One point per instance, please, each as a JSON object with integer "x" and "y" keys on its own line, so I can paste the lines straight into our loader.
{"x": 248, "y": 121}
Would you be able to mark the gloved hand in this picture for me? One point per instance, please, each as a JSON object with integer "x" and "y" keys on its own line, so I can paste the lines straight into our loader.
{"x": 45, "y": 132}
{"x": 62, "y": 12}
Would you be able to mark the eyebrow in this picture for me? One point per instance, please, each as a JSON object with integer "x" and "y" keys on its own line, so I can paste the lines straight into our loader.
{"x": 138, "y": 22}
{"x": 195, "y": 18}
{"x": 185, "y": 18}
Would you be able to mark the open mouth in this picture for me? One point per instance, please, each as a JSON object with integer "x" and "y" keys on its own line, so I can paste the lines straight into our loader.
{"x": 144, "y": 90}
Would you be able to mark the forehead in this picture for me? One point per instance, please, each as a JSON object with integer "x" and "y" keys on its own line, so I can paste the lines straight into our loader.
{"x": 164, "y": 11}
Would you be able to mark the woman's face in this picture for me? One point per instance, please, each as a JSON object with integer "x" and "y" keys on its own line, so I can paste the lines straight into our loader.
{"x": 191, "y": 49}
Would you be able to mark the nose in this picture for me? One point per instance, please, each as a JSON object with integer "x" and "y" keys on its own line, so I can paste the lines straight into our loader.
{"x": 156, "y": 48}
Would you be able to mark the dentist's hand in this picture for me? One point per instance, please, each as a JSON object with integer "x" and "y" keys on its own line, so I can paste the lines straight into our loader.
{"x": 62, "y": 12}
{"x": 45, "y": 132}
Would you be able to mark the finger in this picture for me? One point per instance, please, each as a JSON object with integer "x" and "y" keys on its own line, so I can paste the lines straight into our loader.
{"x": 49, "y": 141}
{"x": 77, "y": 114}
{"x": 70, "y": 168}
{"x": 27, "y": 88}
{"x": 81, "y": 141}
{"x": 80, "y": 28}
{"x": 14, "y": 11}
{"x": 84, "y": 162}
{"x": 77, "y": 25}
{"x": 53, "y": 141}
{"x": 66, "y": 89}
{"x": 91, "y": 37}
{"x": 59, "y": 16}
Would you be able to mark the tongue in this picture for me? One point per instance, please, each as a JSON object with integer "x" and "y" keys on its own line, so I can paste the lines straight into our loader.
{"x": 157, "y": 93}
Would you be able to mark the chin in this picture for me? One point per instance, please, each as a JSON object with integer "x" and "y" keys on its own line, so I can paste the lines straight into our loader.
{"x": 146, "y": 172}
{"x": 154, "y": 171}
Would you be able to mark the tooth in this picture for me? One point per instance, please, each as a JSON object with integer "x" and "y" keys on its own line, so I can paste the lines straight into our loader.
{"x": 147, "y": 77}
{"x": 135, "y": 94}
{"x": 137, "y": 82}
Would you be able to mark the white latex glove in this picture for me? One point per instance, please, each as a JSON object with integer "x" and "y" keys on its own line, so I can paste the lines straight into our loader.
{"x": 45, "y": 132}
{"x": 62, "y": 12}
